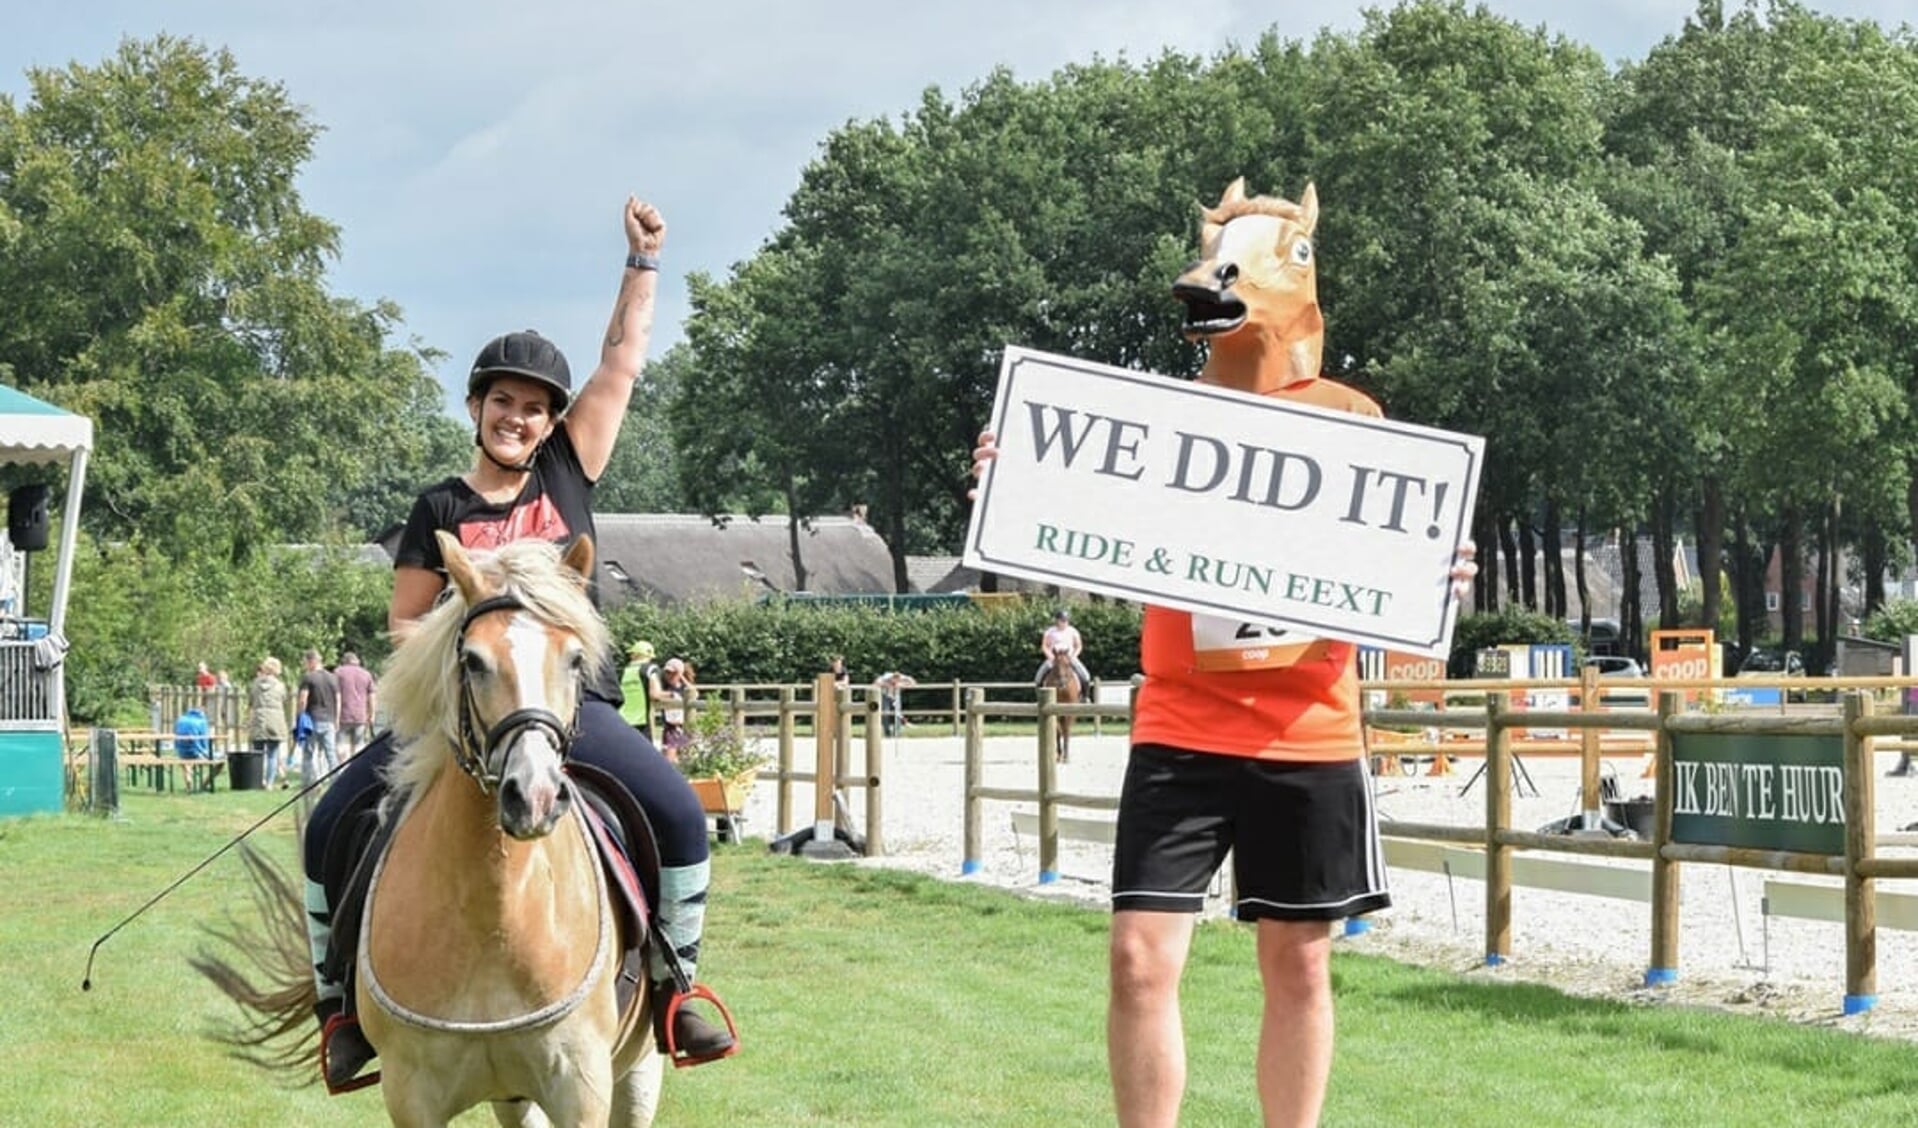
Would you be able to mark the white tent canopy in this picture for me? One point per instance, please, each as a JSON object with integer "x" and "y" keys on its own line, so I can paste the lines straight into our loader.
{"x": 37, "y": 433}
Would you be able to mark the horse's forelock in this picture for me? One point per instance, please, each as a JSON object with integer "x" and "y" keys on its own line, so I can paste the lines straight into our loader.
{"x": 421, "y": 682}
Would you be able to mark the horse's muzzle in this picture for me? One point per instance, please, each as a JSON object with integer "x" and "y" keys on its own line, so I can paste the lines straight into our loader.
{"x": 529, "y": 810}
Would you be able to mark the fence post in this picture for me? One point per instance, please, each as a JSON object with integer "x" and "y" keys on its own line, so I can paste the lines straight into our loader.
{"x": 1664, "y": 969}
{"x": 785, "y": 760}
{"x": 1048, "y": 786}
{"x": 736, "y": 700}
{"x": 825, "y": 727}
{"x": 875, "y": 755}
{"x": 1594, "y": 811}
{"x": 957, "y": 714}
{"x": 975, "y": 770}
{"x": 1498, "y": 813}
{"x": 1861, "y": 898}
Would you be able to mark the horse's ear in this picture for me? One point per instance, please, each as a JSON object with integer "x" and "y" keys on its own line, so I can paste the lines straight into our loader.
{"x": 1309, "y": 207}
{"x": 459, "y": 568}
{"x": 579, "y": 556}
{"x": 1234, "y": 192}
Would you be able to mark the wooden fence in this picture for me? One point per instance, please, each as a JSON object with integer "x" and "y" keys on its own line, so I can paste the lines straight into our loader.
{"x": 1855, "y": 719}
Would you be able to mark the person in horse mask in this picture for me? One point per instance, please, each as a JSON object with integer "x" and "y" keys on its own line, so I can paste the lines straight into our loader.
{"x": 540, "y": 450}
{"x": 1062, "y": 635}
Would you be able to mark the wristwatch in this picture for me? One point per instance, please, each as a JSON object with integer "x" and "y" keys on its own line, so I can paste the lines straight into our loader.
{"x": 640, "y": 261}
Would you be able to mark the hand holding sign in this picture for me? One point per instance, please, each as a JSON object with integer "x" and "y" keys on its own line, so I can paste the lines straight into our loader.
{"x": 1244, "y": 507}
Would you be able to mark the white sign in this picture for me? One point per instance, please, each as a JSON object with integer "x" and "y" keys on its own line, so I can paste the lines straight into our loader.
{"x": 1277, "y": 517}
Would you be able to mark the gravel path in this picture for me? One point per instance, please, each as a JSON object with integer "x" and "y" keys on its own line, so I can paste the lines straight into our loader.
{"x": 1732, "y": 955}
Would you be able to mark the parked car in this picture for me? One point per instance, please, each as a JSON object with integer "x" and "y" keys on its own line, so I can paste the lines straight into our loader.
{"x": 1771, "y": 660}
{"x": 1619, "y": 666}
{"x": 1615, "y": 666}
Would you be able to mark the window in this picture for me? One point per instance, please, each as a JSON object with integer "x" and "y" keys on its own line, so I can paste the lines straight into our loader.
{"x": 1771, "y": 601}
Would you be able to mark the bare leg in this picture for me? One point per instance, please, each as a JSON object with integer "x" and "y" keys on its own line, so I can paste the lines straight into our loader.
{"x": 1295, "y": 1035}
{"x": 1145, "y": 1041}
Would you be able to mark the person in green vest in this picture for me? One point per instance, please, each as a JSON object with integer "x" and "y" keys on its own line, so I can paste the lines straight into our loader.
{"x": 639, "y": 681}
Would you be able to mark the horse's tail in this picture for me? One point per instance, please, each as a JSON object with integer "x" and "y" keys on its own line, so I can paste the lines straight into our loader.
{"x": 276, "y": 1030}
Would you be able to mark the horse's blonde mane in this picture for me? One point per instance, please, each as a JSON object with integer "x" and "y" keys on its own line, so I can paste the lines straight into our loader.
{"x": 420, "y": 686}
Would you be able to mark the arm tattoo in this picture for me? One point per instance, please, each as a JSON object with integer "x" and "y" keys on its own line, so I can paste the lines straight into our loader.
{"x": 616, "y": 333}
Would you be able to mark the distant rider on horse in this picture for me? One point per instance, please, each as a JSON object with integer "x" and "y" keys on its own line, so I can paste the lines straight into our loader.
{"x": 1063, "y": 637}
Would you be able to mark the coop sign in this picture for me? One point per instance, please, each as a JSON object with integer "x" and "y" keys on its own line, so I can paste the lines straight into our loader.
{"x": 1762, "y": 792}
{"x": 1278, "y": 517}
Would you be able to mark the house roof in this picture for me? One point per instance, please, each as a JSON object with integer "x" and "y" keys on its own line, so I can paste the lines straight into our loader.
{"x": 689, "y": 558}
{"x": 946, "y": 573}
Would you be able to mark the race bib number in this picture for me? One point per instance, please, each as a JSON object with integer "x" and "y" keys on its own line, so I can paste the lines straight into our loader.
{"x": 1228, "y": 644}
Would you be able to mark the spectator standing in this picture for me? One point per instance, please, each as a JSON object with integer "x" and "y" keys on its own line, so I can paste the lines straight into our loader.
{"x": 639, "y": 683}
{"x": 357, "y": 704}
{"x": 676, "y": 695}
{"x": 320, "y": 701}
{"x": 203, "y": 683}
{"x": 266, "y": 716}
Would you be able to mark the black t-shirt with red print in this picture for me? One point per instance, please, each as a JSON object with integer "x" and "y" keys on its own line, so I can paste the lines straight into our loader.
{"x": 555, "y": 505}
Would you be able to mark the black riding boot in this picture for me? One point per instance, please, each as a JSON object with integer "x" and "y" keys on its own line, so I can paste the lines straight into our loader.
{"x": 693, "y": 1039}
{"x": 344, "y": 1050}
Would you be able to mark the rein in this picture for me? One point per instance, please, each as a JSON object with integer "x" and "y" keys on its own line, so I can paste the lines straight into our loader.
{"x": 475, "y": 756}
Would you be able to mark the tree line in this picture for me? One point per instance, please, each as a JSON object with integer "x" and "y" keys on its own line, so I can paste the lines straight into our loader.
{"x": 1678, "y": 296}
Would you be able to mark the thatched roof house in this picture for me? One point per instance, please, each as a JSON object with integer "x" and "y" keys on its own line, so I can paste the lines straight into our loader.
{"x": 675, "y": 558}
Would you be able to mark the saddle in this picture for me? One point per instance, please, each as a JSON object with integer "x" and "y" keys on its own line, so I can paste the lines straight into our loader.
{"x": 621, "y": 834}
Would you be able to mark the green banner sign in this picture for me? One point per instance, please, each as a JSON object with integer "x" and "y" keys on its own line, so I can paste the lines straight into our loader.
{"x": 1763, "y": 792}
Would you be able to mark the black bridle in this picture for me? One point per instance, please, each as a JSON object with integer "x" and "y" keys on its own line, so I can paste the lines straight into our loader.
{"x": 475, "y": 756}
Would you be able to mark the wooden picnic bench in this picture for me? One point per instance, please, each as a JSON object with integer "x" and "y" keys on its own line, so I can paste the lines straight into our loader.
{"x": 149, "y": 753}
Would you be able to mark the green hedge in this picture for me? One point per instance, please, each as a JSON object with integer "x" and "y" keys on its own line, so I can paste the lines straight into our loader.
{"x": 782, "y": 643}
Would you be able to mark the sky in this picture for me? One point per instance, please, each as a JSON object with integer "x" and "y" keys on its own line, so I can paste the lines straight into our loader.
{"x": 476, "y": 154}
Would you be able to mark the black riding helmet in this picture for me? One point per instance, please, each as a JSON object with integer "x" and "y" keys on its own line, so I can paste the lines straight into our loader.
{"x": 523, "y": 354}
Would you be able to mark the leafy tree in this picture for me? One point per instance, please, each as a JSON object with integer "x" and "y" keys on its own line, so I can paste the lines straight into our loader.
{"x": 1762, "y": 154}
{"x": 642, "y": 476}
{"x": 160, "y": 275}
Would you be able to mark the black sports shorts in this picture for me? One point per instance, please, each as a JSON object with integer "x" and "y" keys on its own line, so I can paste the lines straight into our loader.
{"x": 1304, "y": 836}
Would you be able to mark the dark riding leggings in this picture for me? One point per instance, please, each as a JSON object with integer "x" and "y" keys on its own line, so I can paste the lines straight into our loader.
{"x": 605, "y": 741}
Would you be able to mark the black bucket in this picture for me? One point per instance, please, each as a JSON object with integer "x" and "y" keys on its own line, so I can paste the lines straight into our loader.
{"x": 248, "y": 770}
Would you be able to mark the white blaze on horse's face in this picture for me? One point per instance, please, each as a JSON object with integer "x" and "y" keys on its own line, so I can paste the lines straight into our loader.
{"x": 528, "y": 666}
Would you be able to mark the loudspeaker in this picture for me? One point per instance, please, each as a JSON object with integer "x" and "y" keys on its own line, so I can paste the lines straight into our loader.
{"x": 27, "y": 517}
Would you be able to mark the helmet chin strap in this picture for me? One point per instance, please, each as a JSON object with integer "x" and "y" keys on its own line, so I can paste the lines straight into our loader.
{"x": 522, "y": 468}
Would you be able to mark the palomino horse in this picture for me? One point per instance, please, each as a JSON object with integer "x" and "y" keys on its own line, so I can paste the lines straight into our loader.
{"x": 1062, "y": 677}
{"x": 489, "y": 957}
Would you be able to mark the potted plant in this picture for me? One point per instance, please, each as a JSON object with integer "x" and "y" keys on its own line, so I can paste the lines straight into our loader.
{"x": 720, "y": 763}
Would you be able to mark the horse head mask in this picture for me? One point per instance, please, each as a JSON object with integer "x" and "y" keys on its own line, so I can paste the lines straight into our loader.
{"x": 1253, "y": 294}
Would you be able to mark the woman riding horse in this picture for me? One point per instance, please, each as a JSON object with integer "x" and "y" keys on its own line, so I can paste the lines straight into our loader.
{"x": 540, "y": 451}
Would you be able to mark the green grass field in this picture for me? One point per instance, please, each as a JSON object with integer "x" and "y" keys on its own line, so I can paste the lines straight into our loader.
{"x": 874, "y": 997}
